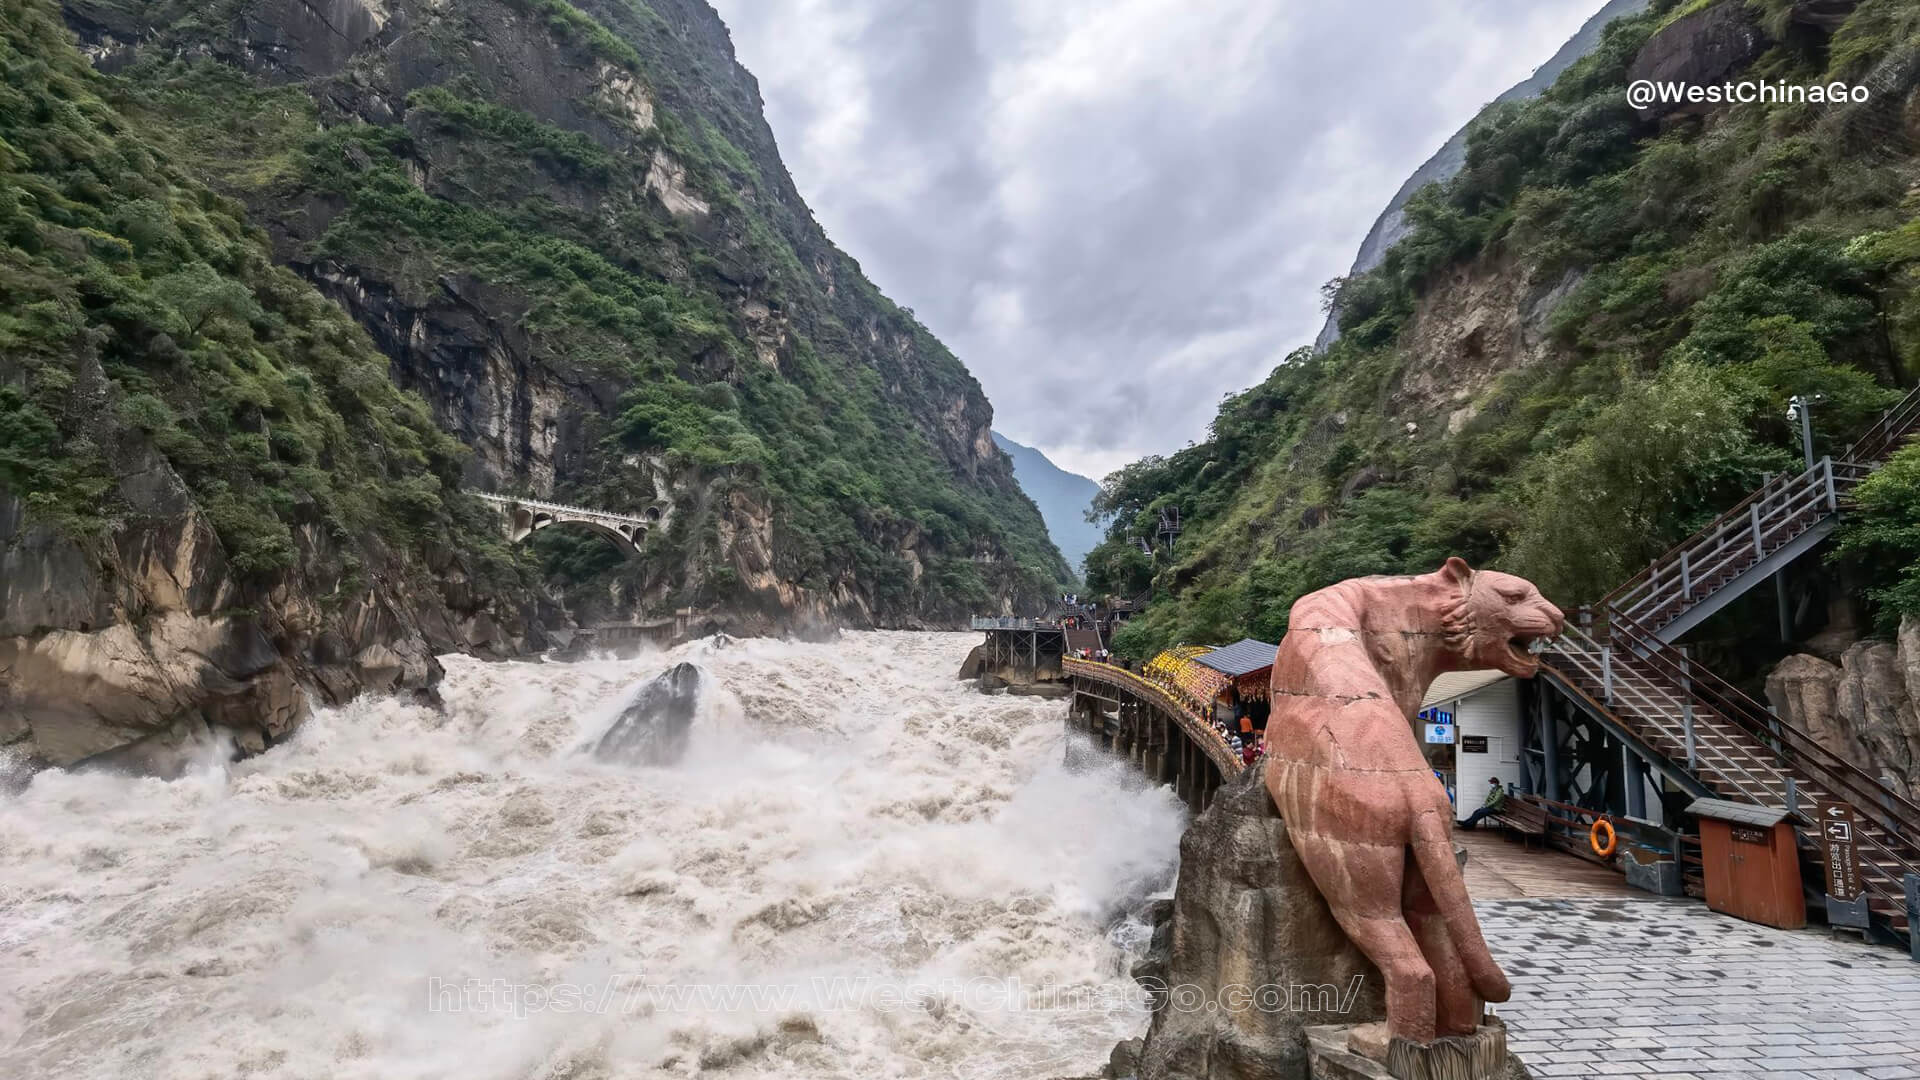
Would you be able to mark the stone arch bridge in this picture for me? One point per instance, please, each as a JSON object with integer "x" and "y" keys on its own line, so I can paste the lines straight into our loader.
{"x": 524, "y": 517}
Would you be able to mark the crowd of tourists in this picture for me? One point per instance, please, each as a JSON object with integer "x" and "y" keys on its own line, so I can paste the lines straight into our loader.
{"x": 1245, "y": 743}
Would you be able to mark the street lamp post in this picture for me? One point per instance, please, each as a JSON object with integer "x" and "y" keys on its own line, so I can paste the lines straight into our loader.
{"x": 1800, "y": 407}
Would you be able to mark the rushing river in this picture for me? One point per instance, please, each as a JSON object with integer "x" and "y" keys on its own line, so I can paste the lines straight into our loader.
{"x": 861, "y": 868}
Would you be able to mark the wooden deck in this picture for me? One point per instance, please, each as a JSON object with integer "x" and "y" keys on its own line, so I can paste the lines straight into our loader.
{"x": 1499, "y": 868}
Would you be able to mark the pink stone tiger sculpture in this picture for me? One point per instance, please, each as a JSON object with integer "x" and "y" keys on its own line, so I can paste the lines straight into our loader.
{"x": 1370, "y": 820}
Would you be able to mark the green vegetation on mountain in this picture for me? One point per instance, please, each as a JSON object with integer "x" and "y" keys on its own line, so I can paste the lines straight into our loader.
{"x": 141, "y": 315}
{"x": 1682, "y": 279}
{"x": 592, "y": 186}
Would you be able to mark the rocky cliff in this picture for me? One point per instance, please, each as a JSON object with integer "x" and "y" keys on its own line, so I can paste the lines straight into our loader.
{"x": 1392, "y": 225}
{"x": 1246, "y": 956}
{"x": 214, "y": 507}
{"x": 1865, "y": 708}
{"x": 568, "y": 228}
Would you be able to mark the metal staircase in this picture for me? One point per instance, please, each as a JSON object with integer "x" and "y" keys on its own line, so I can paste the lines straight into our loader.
{"x": 1620, "y": 664}
{"x": 1743, "y": 547}
{"x": 1761, "y": 534}
{"x": 1705, "y": 730}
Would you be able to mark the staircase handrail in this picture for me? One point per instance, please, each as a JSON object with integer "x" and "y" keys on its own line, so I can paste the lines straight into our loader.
{"x": 1672, "y": 555}
{"x": 1879, "y": 441}
{"x": 1750, "y": 526}
{"x": 1717, "y": 766}
{"x": 1789, "y": 745}
{"x": 1859, "y": 458}
{"x": 1590, "y": 660}
{"x": 1808, "y": 498}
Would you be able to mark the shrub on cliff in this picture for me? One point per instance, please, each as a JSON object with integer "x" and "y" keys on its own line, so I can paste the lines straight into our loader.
{"x": 139, "y": 309}
{"x": 1884, "y": 532}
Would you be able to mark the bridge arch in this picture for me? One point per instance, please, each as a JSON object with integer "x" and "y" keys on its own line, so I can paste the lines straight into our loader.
{"x": 524, "y": 517}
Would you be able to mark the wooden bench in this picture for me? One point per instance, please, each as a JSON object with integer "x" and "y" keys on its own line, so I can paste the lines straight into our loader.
{"x": 1523, "y": 815}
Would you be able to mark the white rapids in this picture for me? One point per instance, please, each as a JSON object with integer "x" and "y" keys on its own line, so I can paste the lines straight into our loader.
{"x": 858, "y": 870}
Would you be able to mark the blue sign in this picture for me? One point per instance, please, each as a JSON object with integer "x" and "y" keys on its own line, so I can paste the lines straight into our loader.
{"x": 1440, "y": 733}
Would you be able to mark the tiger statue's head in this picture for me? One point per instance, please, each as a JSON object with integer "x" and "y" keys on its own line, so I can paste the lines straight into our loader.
{"x": 1497, "y": 620}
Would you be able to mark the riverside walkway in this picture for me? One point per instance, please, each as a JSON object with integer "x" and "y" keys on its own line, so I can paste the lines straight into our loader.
{"x": 1154, "y": 725}
{"x": 1610, "y": 981}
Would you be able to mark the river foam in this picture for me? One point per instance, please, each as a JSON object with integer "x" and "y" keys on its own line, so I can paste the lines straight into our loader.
{"x": 856, "y": 870}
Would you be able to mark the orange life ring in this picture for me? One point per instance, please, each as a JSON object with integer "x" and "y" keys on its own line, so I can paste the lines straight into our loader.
{"x": 1593, "y": 837}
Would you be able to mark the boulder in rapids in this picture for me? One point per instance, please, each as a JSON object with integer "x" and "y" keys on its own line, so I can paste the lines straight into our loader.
{"x": 654, "y": 726}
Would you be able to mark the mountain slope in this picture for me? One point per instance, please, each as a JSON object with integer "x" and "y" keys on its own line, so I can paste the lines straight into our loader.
{"x": 1063, "y": 497}
{"x": 1391, "y": 226}
{"x": 211, "y": 496}
{"x": 569, "y": 229}
{"x": 1583, "y": 348}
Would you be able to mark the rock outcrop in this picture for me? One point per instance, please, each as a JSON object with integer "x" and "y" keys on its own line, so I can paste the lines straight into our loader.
{"x": 1866, "y": 709}
{"x": 1246, "y": 956}
{"x": 655, "y": 724}
{"x": 1392, "y": 225}
{"x": 1477, "y": 322}
{"x": 1703, "y": 48}
{"x": 145, "y": 649}
{"x": 1245, "y": 917}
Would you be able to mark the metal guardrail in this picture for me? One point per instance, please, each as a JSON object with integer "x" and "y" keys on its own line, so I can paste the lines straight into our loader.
{"x": 1644, "y": 677}
{"x": 1783, "y": 510}
{"x": 1887, "y": 433}
{"x": 989, "y": 622}
{"x": 1197, "y": 728}
{"x": 1645, "y": 682}
{"x": 1789, "y": 745}
{"x": 568, "y": 508}
{"x": 1665, "y": 717}
{"x": 1766, "y": 520}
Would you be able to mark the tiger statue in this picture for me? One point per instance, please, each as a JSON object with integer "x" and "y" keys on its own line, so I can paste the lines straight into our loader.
{"x": 1370, "y": 820}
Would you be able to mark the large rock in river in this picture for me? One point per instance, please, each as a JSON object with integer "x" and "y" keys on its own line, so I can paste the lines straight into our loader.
{"x": 656, "y": 723}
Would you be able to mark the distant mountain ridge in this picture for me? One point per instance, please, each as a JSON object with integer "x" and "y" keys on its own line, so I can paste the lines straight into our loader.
{"x": 1391, "y": 225}
{"x": 1063, "y": 498}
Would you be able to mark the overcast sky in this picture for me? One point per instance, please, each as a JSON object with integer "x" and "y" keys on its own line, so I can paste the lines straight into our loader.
{"x": 1116, "y": 211}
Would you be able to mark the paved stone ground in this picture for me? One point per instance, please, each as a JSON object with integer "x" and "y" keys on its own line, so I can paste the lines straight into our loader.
{"x": 1621, "y": 986}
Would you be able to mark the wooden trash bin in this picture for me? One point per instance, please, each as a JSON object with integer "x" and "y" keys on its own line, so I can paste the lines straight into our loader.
{"x": 1751, "y": 862}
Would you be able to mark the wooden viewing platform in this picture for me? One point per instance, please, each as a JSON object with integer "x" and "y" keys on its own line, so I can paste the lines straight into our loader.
{"x": 1147, "y": 723}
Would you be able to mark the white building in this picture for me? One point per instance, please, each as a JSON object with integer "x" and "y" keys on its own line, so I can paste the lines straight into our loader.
{"x": 1486, "y": 737}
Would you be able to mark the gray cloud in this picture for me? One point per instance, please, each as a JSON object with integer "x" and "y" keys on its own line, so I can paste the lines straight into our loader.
{"x": 1115, "y": 211}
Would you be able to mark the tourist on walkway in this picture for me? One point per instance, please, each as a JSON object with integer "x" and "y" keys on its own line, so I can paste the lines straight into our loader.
{"x": 1495, "y": 796}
